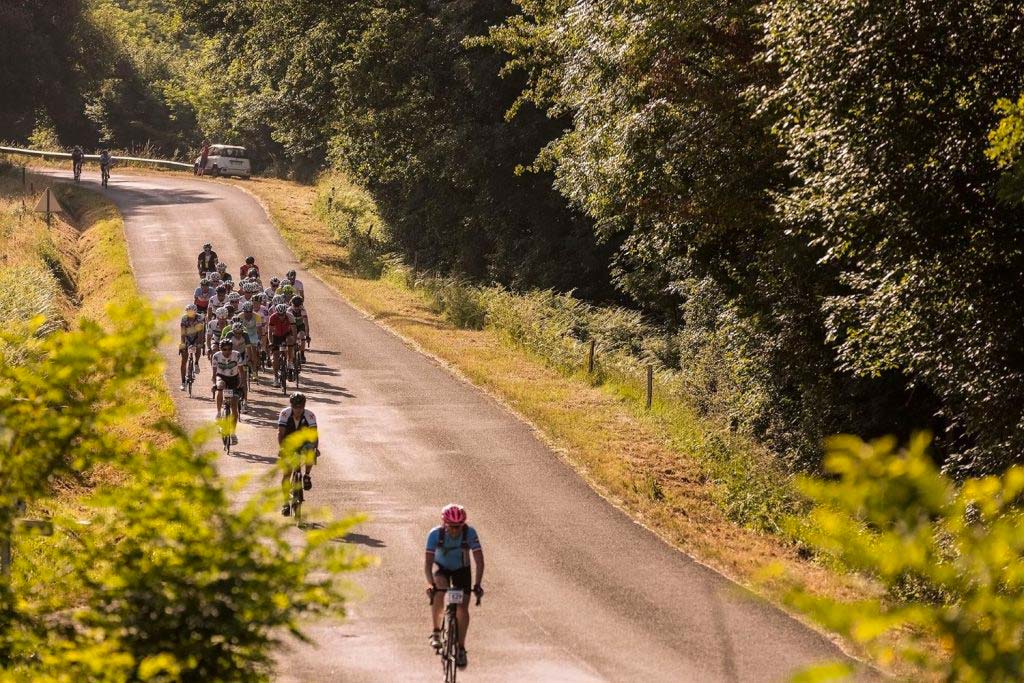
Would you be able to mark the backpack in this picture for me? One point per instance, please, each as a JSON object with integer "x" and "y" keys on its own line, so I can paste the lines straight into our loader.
{"x": 464, "y": 545}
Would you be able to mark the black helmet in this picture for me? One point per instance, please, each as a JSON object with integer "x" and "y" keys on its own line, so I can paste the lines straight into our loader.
{"x": 207, "y": 246}
{"x": 250, "y": 260}
{"x": 298, "y": 398}
{"x": 296, "y": 300}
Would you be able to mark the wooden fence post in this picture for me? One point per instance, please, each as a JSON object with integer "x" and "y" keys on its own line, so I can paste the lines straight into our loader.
{"x": 650, "y": 386}
{"x": 590, "y": 358}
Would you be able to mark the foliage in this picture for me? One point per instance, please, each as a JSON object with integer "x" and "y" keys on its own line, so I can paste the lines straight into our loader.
{"x": 171, "y": 580}
{"x": 890, "y": 513}
{"x": 1006, "y": 143}
{"x": 894, "y": 185}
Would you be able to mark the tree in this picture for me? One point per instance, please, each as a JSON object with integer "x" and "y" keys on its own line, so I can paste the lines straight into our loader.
{"x": 884, "y": 111}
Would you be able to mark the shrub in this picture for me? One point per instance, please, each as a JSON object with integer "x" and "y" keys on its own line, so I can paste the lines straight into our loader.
{"x": 950, "y": 556}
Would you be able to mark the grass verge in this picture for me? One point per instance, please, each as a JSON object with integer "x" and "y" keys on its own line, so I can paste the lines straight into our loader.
{"x": 685, "y": 477}
{"x": 75, "y": 266}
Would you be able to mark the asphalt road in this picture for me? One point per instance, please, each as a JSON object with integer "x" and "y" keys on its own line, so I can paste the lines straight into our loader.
{"x": 575, "y": 590}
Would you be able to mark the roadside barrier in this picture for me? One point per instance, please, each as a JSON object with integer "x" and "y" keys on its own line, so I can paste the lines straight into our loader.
{"x": 95, "y": 157}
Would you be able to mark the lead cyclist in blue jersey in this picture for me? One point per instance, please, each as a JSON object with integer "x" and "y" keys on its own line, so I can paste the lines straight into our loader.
{"x": 446, "y": 565}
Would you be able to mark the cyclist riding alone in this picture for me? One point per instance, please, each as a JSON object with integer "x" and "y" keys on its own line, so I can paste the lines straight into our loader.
{"x": 228, "y": 375}
{"x": 447, "y": 565}
{"x": 192, "y": 328}
{"x": 249, "y": 268}
{"x": 294, "y": 282}
{"x": 292, "y": 419}
{"x": 207, "y": 261}
{"x": 77, "y": 158}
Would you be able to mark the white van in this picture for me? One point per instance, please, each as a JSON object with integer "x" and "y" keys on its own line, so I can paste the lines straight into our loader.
{"x": 226, "y": 160}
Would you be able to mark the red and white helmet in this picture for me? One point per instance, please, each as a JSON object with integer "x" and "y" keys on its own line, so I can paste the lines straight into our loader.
{"x": 453, "y": 514}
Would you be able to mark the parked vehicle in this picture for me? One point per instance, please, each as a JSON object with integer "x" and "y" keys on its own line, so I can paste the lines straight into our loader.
{"x": 226, "y": 160}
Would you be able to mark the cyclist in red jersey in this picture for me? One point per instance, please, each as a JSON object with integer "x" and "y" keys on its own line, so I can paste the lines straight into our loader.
{"x": 281, "y": 330}
{"x": 249, "y": 265}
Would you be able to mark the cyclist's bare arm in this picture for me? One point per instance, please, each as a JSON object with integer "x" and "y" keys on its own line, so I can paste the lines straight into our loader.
{"x": 428, "y": 567}
{"x": 478, "y": 560}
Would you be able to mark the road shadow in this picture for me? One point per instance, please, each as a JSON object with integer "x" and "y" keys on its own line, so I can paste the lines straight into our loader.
{"x": 321, "y": 352}
{"x": 350, "y": 538}
{"x": 321, "y": 389}
{"x": 363, "y": 539}
{"x": 254, "y": 457}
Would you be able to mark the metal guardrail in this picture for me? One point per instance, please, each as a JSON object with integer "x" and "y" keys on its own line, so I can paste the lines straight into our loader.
{"x": 95, "y": 157}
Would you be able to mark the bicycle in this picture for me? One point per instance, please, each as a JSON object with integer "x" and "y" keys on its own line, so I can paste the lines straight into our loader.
{"x": 191, "y": 366}
{"x": 104, "y": 174}
{"x": 281, "y": 373}
{"x": 449, "y": 651}
{"x": 227, "y": 399}
{"x": 297, "y": 495}
{"x": 77, "y": 170}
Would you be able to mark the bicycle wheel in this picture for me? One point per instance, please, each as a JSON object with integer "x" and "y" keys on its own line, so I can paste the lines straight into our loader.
{"x": 450, "y": 645}
{"x": 297, "y": 498}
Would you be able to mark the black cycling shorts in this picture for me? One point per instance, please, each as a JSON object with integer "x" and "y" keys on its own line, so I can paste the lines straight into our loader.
{"x": 231, "y": 382}
{"x": 458, "y": 578}
{"x": 282, "y": 340}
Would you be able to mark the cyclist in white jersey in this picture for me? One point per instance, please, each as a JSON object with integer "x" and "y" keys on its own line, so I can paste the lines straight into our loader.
{"x": 229, "y": 374}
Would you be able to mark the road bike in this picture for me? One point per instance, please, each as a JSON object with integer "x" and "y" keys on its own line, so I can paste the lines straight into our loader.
{"x": 227, "y": 407}
{"x": 77, "y": 170}
{"x": 191, "y": 367}
{"x": 104, "y": 174}
{"x": 281, "y": 373}
{"x": 449, "y": 650}
{"x": 296, "y": 497}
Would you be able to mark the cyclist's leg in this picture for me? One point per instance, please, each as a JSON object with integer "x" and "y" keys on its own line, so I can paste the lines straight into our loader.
{"x": 183, "y": 352}
{"x": 437, "y": 607}
{"x": 218, "y": 383}
{"x": 463, "y": 579}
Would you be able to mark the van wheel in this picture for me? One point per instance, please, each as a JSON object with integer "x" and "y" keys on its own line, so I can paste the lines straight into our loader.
{"x": 215, "y": 172}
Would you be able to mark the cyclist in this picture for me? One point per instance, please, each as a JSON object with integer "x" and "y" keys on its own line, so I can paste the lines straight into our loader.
{"x": 271, "y": 291}
{"x": 249, "y": 268}
{"x": 291, "y": 420}
{"x": 214, "y": 329}
{"x": 222, "y": 270}
{"x": 234, "y": 304}
{"x": 229, "y": 374}
{"x": 219, "y": 298}
{"x": 201, "y": 297}
{"x": 106, "y": 161}
{"x": 301, "y": 318}
{"x": 447, "y": 566}
{"x": 192, "y": 328}
{"x": 294, "y": 282}
{"x": 235, "y": 331}
{"x": 207, "y": 260}
{"x": 281, "y": 329}
{"x": 251, "y": 323}
{"x": 77, "y": 158}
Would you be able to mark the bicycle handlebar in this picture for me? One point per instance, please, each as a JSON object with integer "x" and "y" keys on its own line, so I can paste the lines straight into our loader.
{"x": 475, "y": 591}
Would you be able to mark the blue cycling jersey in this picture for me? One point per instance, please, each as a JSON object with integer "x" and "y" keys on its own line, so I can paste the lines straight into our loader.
{"x": 450, "y": 555}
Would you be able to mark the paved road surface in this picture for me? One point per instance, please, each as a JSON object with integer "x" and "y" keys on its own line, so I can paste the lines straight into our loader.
{"x": 576, "y": 591}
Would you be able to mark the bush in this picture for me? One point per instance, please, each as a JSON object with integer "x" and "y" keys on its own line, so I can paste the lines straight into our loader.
{"x": 951, "y": 557}
{"x": 172, "y": 579}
